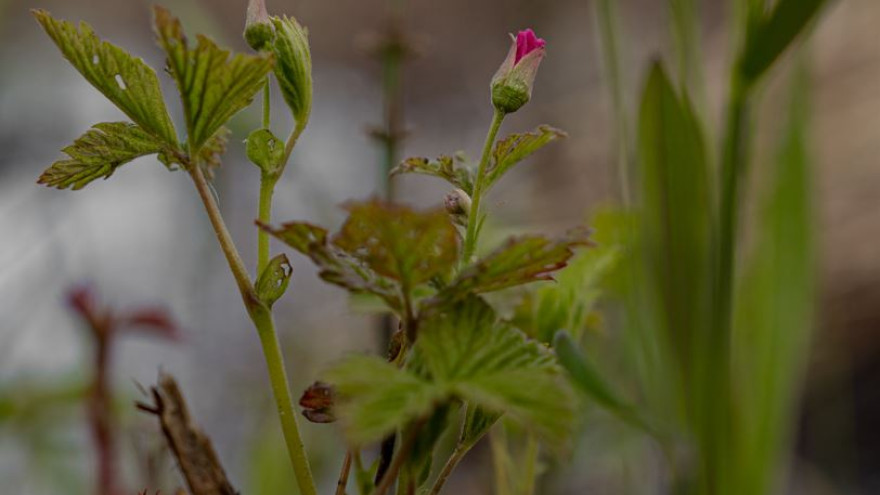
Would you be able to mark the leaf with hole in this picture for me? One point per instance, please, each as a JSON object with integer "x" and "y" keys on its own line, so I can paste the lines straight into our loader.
{"x": 125, "y": 80}
{"x": 274, "y": 280}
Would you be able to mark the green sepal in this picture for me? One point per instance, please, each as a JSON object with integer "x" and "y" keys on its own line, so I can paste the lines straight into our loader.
{"x": 273, "y": 282}
{"x": 266, "y": 151}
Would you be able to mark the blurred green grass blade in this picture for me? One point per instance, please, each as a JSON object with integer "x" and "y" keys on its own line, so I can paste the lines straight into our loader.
{"x": 775, "y": 33}
{"x": 583, "y": 372}
{"x": 676, "y": 216}
{"x": 589, "y": 380}
{"x": 775, "y": 311}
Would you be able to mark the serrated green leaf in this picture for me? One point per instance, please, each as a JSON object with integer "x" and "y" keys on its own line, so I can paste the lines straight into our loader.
{"x": 376, "y": 397}
{"x": 336, "y": 266}
{"x": 775, "y": 34}
{"x": 125, "y": 80}
{"x": 516, "y": 148}
{"x": 265, "y": 151}
{"x": 482, "y": 360}
{"x": 293, "y": 68}
{"x": 98, "y": 153}
{"x": 452, "y": 170}
{"x": 468, "y": 340}
{"x": 213, "y": 85}
{"x": 399, "y": 243}
{"x": 519, "y": 261}
{"x": 274, "y": 280}
{"x": 465, "y": 354}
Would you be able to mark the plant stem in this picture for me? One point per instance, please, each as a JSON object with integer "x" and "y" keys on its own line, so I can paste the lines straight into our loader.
{"x": 291, "y": 141}
{"x": 402, "y": 454}
{"x": 470, "y": 240}
{"x": 451, "y": 463}
{"x": 267, "y": 188}
{"x": 267, "y": 116}
{"x": 281, "y": 390}
{"x": 262, "y": 318}
{"x": 343, "y": 474}
{"x": 236, "y": 265}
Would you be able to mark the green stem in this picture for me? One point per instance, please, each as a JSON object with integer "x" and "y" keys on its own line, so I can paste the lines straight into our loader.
{"x": 262, "y": 318}
{"x": 291, "y": 141}
{"x": 281, "y": 389}
{"x": 267, "y": 188}
{"x": 470, "y": 240}
{"x": 451, "y": 463}
{"x": 266, "y": 105}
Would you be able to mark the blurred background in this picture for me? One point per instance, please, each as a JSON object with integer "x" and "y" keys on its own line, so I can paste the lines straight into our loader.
{"x": 142, "y": 236}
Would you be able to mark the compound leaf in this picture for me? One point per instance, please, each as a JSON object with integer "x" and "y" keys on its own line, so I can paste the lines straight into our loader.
{"x": 213, "y": 85}
{"x": 125, "y": 80}
{"x": 98, "y": 153}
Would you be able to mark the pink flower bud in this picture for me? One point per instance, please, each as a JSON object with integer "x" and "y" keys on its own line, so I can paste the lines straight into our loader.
{"x": 512, "y": 83}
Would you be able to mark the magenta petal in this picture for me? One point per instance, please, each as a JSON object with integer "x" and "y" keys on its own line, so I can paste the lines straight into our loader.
{"x": 526, "y": 42}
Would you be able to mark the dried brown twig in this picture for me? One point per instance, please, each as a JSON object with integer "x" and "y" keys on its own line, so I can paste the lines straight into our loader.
{"x": 193, "y": 450}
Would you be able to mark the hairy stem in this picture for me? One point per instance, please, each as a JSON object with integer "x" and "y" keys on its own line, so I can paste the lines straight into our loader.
{"x": 262, "y": 318}
{"x": 470, "y": 240}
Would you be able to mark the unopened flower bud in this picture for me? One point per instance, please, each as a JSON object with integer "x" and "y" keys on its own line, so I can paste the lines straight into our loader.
{"x": 258, "y": 30}
{"x": 293, "y": 67}
{"x": 512, "y": 83}
{"x": 457, "y": 202}
{"x": 458, "y": 205}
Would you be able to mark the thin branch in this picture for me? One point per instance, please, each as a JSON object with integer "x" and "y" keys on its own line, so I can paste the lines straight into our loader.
{"x": 408, "y": 442}
{"x": 343, "y": 475}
